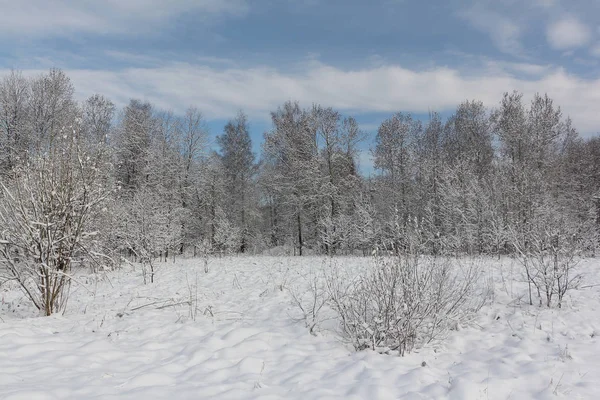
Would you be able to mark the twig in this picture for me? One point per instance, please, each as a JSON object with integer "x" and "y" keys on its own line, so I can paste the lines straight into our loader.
{"x": 173, "y": 305}
{"x": 147, "y": 305}
{"x": 74, "y": 280}
{"x": 161, "y": 307}
{"x": 589, "y": 286}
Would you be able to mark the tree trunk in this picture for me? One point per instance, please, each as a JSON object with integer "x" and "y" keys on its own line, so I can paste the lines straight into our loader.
{"x": 300, "y": 244}
{"x": 597, "y": 200}
{"x": 244, "y": 244}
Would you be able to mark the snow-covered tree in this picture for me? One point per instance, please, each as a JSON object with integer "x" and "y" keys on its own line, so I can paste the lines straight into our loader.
{"x": 239, "y": 168}
{"x": 292, "y": 151}
{"x": 45, "y": 212}
{"x": 14, "y": 119}
{"x": 51, "y": 108}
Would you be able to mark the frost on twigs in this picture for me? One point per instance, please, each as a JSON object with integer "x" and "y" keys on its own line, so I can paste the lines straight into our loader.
{"x": 46, "y": 210}
{"x": 404, "y": 302}
{"x": 549, "y": 251}
{"x": 311, "y": 301}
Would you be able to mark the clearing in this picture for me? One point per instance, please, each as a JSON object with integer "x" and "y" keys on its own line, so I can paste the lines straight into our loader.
{"x": 241, "y": 339}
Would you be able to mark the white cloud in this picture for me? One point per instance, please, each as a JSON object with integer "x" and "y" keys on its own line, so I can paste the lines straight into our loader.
{"x": 568, "y": 33}
{"x": 504, "y": 32}
{"x": 219, "y": 93}
{"x": 59, "y": 17}
{"x": 528, "y": 69}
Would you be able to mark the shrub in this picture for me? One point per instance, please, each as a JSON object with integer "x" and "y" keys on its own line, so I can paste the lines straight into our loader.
{"x": 404, "y": 302}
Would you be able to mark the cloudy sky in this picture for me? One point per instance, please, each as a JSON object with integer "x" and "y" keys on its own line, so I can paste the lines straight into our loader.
{"x": 366, "y": 58}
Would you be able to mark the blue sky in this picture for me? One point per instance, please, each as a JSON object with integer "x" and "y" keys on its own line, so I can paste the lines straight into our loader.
{"x": 365, "y": 58}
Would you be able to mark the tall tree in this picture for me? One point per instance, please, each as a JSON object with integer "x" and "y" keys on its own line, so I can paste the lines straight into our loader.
{"x": 212, "y": 199}
{"x": 14, "y": 116}
{"x": 98, "y": 115}
{"x": 192, "y": 145}
{"x": 52, "y": 108}
{"x": 239, "y": 167}
{"x": 132, "y": 143}
{"x": 394, "y": 156}
{"x": 291, "y": 149}
{"x": 470, "y": 154}
{"x": 469, "y": 138}
{"x": 430, "y": 180}
{"x": 510, "y": 125}
{"x": 337, "y": 140}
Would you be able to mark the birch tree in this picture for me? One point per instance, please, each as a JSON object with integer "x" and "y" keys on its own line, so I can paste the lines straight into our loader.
{"x": 240, "y": 168}
{"x": 394, "y": 155}
{"x": 291, "y": 148}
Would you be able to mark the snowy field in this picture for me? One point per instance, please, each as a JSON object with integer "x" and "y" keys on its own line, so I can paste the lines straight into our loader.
{"x": 241, "y": 339}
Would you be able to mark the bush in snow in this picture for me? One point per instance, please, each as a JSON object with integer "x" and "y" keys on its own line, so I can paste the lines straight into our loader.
{"x": 150, "y": 228}
{"x": 310, "y": 300}
{"x": 227, "y": 237}
{"x": 46, "y": 210}
{"x": 549, "y": 252}
{"x": 403, "y": 302}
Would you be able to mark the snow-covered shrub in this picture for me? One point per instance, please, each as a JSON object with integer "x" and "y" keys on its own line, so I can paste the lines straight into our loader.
{"x": 46, "y": 209}
{"x": 403, "y": 302}
{"x": 549, "y": 253}
{"x": 227, "y": 236}
{"x": 310, "y": 300}
{"x": 150, "y": 227}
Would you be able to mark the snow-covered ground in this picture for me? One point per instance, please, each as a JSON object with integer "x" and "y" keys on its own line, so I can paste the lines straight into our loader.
{"x": 122, "y": 339}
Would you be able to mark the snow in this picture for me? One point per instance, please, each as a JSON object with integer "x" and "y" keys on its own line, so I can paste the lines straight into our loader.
{"x": 122, "y": 339}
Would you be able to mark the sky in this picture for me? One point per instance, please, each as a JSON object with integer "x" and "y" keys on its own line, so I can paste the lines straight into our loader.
{"x": 368, "y": 59}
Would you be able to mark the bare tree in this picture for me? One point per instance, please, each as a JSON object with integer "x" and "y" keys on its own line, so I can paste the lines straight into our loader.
{"x": 394, "y": 156}
{"x": 549, "y": 252}
{"x": 51, "y": 107}
{"x": 192, "y": 144}
{"x": 132, "y": 143}
{"x": 292, "y": 151}
{"x": 149, "y": 228}
{"x": 45, "y": 212}
{"x": 240, "y": 168}
{"x": 14, "y": 117}
{"x": 98, "y": 114}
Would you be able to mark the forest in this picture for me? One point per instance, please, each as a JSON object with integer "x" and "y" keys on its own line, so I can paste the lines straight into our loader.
{"x": 87, "y": 185}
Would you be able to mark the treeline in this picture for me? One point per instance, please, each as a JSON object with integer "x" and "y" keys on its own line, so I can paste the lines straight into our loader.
{"x": 486, "y": 181}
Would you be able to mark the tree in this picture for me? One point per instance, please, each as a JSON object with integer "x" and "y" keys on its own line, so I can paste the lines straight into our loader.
{"x": 469, "y": 159}
{"x": 394, "y": 155}
{"x": 468, "y": 139}
{"x": 364, "y": 229}
{"x": 45, "y": 213}
{"x": 228, "y": 237}
{"x": 14, "y": 117}
{"x": 212, "y": 196}
{"x": 149, "y": 228}
{"x": 239, "y": 168}
{"x": 192, "y": 143}
{"x": 292, "y": 151}
{"x": 98, "y": 114}
{"x": 132, "y": 143}
{"x": 52, "y": 108}
{"x": 530, "y": 143}
{"x": 337, "y": 140}
{"x": 510, "y": 125}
